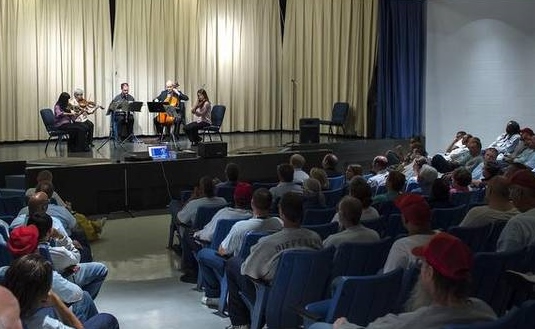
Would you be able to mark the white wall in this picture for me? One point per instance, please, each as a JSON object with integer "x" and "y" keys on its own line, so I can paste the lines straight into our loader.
{"x": 480, "y": 68}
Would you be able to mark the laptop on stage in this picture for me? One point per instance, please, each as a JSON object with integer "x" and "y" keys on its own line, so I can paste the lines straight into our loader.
{"x": 159, "y": 152}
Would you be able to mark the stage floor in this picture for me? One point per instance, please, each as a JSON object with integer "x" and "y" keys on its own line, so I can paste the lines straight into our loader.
{"x": 349, "y": 150}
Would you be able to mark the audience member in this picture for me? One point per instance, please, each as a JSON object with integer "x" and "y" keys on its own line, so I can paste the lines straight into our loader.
{"x": 9, "y": 311}
{"x": 285, "y": 173}
{"x": 416, "y": 217}
{"x": 91, "y": 228}
{"x": 203, "y": 195}
{"x": 499, "y": 207}
{"x": 395, "y": 182}
{"x": 525, "y": 134}
{"x": 440, "y": 194}
{"x": 477, "y": 174}
{"x": 397, "y": 156}
{"x": 460, "y": 180}
{"x": 519, "y": 232}
{"x": 507, "y": 142}
{"x": 412, "y": 170}
{"x": 29, "y": 278}
{"x": 195, "y": 240}
{"x": 469, "y": 157}
{"x": 353, "y": 170}
{"x": 527, "y": 156}
{"x": 426, "y": 177}
{"x": 457, "y": 141}
{"x": 321, "y": 176}
{"x": 379, "y": 168}
{"x": 445, "y": 281}
{"x": 24, "y": 240}
{"x": 298, "y": 162}
{"x": 65, "y": 257}
{"x": 329, "y": 164}
{"x": 232, "y": 173}
{"x": 263, "y": 260}
{"x": 350, "y": 210}
{"x": 359, "y": 188}
{"x": 312, "y": 195}
{"x": 212, "y": 262}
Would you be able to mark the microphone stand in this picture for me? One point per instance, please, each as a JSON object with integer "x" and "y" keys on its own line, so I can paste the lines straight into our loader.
{"x": 293, "y": 142}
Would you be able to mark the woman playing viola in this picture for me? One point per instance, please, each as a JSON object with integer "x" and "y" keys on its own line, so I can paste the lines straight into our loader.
{"x": 64, "y": 119}
{"x": 201, "y": 117}
{"x": 83, "y": 108}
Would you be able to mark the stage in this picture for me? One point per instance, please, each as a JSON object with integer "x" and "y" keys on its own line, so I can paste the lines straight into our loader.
{"x": 102, "y": 182}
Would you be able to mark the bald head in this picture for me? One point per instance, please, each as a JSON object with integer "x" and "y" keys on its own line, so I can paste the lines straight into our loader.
{"x": 38, "y": 203}
{"x": 9, "y": 310}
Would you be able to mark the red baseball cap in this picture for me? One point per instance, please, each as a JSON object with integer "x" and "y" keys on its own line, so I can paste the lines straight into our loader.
{"x": 243, "y": 192}
{"x": 524, "y": 178}
{"x": 23, "y": 240}
{"x": 448, "y": 255}
{"x": 414, "y": 208}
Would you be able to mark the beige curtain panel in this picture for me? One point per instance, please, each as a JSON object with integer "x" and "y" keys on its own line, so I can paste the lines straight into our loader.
{"x": 232, "y": 48}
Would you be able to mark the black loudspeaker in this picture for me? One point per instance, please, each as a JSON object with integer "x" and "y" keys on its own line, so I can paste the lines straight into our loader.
{"x": 309, "y": 130}
{"x": 212, "y": 150}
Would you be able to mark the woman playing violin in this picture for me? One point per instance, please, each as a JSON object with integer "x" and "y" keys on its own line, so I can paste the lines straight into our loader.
{"x": 82, "y": 107}
{"x": 64, "y": 119}
{"x": 201, "y": 117}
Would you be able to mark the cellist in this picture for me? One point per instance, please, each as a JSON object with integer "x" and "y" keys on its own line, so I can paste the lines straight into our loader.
{"x": 172, "y": 116}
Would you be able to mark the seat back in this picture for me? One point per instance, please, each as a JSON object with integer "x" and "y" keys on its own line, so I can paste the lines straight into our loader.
{"x": 489, "y": 279}
{"x": 443, "y": 218}
{"x": 497, "y": 228}
{"x": 394, "y": 226}
{"x": 386, "y": 208}
{"x": 360, "y": 258}
{"x": 462, "y": 198}
{"x": 226, "y": 192}
{"x": 339, "y": 113}
{"x": 318, "y": 216}
{"x": 474, "y": 237}
{"x": 301, "y": 278}
{"x": 217, "y": 115}
{"x": 324, "y": 230}
{"x": 204, "y": 215}
{"x": 48, "y": 119}
{"x": 332, "y": 197}
{"x": 222, "y": 228}
{"x": 11, "y": 206}
{"x": 336, "y": 182}
{"x": 257, "y": 185}
{"x": 250, "y": 239}
{"x": 362, "y": 299}
{"x": 377, "y": 224}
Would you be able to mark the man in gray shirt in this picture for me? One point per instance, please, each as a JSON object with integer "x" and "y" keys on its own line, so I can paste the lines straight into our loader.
{"x": 263, "y": 260}
{"x": 445, "y": 278}
{"x": 350, "y": 210}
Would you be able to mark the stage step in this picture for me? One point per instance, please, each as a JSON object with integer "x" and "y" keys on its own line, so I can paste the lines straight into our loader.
{"x": 16, "y": 182}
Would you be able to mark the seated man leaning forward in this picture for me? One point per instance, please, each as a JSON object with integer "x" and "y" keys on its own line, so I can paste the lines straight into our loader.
{"x": 264, "y": 258}
{"x": 445, "y": 282}
{"x": 350, "y": 210}
{"x": 212, "y": 262}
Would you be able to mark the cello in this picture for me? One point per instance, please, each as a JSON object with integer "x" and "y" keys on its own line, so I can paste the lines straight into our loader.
{"x": 172, "y": 100}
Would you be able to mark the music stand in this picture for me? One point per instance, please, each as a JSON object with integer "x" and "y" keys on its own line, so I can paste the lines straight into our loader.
{"x": 132, "y": 107}
{"x": 114, "y": 106}
{"x": 163, "y": 107}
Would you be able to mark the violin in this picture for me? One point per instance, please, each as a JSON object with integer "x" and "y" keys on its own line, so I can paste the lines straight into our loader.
{"x": 84, "y": 108}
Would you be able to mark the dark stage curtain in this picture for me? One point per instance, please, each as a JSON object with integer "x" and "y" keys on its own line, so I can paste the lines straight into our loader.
{"x": 401, "y": 68}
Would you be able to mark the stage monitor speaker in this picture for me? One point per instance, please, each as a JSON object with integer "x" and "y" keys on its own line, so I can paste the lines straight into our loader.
{"x": 309, "y": 130}
{"x": 212, "y": 150}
